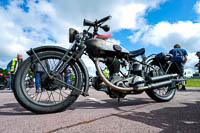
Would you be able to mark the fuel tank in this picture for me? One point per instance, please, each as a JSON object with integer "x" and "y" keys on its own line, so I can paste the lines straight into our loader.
{"x": 99, "y": 47}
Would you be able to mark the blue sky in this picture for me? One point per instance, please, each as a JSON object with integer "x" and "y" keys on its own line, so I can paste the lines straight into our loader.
{"x": 171, "y": 11}
{"x": 156, "y": 25}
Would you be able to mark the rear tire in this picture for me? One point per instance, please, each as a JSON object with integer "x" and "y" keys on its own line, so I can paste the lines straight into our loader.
{"x": 169, "y": 92}
{"x": 23, "y": 96}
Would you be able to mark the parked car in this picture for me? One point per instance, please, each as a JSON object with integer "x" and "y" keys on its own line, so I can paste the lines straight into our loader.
{"x": 188, "y": 73}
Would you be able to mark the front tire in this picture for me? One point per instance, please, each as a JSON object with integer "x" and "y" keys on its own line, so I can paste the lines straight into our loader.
{"x": 51, "y": 99}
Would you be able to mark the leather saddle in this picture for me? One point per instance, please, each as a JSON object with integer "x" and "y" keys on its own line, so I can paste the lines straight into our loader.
{"x": 136, "y": 53}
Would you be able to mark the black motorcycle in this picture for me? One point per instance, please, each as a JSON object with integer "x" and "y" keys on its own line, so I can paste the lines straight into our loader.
{"x": 3, "y": 83}
{"x": 118, "y": 73}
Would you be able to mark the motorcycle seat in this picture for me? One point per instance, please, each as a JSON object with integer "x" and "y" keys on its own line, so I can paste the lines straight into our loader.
{"x": 136, "y": 53}
{"x": 106, "y": 36}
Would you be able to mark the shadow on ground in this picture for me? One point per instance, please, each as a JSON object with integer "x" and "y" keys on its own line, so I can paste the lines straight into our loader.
{"x": 13, "y": 109}
{"x": 170, "y": 119}
{"x": 110, "y": 103}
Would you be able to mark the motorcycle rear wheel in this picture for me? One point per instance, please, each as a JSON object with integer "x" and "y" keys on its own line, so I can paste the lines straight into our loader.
{"x": 163, "y": 94}
{"x": 53, "y": 97}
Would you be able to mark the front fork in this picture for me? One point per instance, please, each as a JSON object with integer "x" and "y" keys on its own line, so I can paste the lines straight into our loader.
{"x": 74, "y": 53}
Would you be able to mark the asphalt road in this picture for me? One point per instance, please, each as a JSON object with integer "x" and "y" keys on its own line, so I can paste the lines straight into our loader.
{"x": 100, "y": 114}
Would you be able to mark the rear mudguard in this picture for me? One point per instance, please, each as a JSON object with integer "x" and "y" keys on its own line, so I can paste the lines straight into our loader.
{"x": 149, "y": 58}
{"x": 147, "y": 61}
{"x": 155, "y": 61}
{"x": 63, "y": 50}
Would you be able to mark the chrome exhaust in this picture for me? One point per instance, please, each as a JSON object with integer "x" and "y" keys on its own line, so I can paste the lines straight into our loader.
{"x": 114, "y": 87}
{"x": 139, "y": 89}
{"x": 162, "y": 78}
{"x": 160, "y": 84}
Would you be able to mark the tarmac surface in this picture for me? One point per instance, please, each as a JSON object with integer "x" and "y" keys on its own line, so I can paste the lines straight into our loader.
{"x": 100, "y": 114}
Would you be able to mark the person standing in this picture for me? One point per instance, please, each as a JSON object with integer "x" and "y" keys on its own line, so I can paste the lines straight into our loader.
{"x": 198, "y": 64}
{"x": 179, "y": 59}
{"x": 39, "y": 71}
{"x": 68, "y": 72}
{"x": 12, "y": 68}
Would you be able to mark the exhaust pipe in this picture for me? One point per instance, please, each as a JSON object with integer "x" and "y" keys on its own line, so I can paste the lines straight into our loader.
{"x": 163, "y": 77}
{"x": 160, "y": 84}
{"x": 139, "y": 89}
{"x": 108, "y": 83}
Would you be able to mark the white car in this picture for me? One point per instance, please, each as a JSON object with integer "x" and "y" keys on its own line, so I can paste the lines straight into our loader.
{"x": 188, "y": 73}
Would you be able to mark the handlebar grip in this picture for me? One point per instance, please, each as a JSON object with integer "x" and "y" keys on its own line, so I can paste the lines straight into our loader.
{"x": 88, "y": 23}
{"x": 104, "y": 19}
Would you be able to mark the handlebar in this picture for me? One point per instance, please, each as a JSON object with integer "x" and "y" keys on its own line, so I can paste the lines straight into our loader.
{"x": 104, "y": 19}
{"x": 101, "y": 21}
{"x": 88, "y": 23}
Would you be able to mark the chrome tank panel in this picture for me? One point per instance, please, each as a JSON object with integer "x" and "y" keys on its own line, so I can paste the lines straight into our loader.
{"x": 103, "y": 45}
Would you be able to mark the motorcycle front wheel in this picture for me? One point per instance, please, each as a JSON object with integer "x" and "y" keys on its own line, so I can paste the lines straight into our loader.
{"x": 47, "y": 95}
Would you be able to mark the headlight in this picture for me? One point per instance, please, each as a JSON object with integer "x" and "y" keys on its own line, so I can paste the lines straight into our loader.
{"x": 72, "y": 34}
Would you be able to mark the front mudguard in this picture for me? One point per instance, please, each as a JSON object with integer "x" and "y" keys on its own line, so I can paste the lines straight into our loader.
{"x": 63, "y": 50}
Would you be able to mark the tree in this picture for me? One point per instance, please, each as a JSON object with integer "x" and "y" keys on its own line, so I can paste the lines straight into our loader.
{"x": 4, "y": 71}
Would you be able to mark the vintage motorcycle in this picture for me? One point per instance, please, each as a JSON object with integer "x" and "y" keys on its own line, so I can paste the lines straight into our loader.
{"x": 66, "y": 76}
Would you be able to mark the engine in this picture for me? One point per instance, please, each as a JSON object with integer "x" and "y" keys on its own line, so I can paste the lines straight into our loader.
{"x": 134, "y": 79}
{"x": 111, "y": 79}
{"x": 113, "y": 65}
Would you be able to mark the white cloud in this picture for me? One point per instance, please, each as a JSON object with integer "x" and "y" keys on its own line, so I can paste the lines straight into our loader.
{"x": 117, "y": 42}
{"x": 192, "y": 60}
{"x": 52, "y": 19}
{"x": 126, "y": 14}
{"x": 22, "y": 30}
{"x": 90, "y": 65}
{"x": 197, "y": 7}
{"x": 166, "y": 35}
{"x": 129, "y": 16}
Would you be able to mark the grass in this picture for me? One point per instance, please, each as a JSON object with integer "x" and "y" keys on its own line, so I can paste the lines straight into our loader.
{"x": 193, "y": 83}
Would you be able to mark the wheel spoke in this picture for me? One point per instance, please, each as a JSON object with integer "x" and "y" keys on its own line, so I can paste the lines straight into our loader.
{"x": 49, "y": 97}
{"x": 40, "y": 96}
{"x": 53, "y": 96}
{"x": 158, "y": 72}
{"x": 51, "y": 91}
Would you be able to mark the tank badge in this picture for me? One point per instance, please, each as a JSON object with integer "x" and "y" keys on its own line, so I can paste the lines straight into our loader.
{"x": 117, "y": 48}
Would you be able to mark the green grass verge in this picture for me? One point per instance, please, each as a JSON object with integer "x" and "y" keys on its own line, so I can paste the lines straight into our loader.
{"x": 193, "y": 83}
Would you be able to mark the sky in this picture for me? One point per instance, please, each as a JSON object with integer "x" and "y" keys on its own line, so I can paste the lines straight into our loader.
{"x": 155, "y": 25}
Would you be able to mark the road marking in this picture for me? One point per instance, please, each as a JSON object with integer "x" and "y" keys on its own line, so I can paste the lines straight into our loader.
{"x": 190, "y": 122}
{"x": 97, "y": 100}
{"x": 130, "y": 98}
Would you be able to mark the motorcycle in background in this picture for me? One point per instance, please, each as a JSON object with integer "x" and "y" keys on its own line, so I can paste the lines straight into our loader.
{"x": 3, "y": 82}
